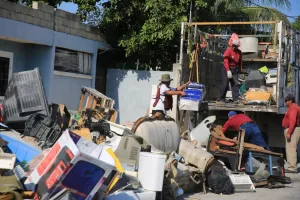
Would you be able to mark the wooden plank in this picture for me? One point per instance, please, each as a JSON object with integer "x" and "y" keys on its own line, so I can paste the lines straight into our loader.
{"x": 89, "y": 101}
{"x": 241, "y": 147}
{"x": 94, "y": 103}
{"x": 81, "y": 102}
{"x": 113, "y": 114}
{"x": 259, "y": 60}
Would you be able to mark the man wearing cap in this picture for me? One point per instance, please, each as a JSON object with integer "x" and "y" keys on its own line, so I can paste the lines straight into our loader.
{"x": 164, "y": 100}
{"x": 291, "y": 125}
{"x": 242, "y": 121}
{"x": 231, "y": 70}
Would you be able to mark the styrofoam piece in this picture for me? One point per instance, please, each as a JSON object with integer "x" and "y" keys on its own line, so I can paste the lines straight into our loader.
{"x": 271, "y": 78}
{"x": 151, "y": 170}
{"x": 7, "y": 160}
{"x": 242, "y": 183}
{"x": 201, "y": 132}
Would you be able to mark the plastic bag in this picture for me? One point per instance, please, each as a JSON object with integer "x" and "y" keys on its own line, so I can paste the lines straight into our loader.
{"x": 234, "y": 36}
{"x": 218, "y": 180}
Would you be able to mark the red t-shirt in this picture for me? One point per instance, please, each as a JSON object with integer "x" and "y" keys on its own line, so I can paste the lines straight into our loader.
{"x": 235, "y": 122}
{"x": 291, "y": 118}
{"x": 232, "y": 58}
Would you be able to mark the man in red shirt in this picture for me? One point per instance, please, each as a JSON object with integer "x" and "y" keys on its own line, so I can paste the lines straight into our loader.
{"x": 230, "y": 71}
{"x": 291, "y": 125}
{"x": 242, "y": 121}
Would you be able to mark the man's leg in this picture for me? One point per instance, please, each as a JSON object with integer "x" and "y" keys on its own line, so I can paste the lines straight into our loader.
{"x": 291, "y": 149}
{"x": 257, "y": 137}
{"x": 224, "y": 84}
{"x": 234, "y": 83}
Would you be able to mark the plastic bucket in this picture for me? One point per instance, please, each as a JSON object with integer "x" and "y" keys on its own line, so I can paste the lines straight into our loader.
{"x": 151, "y": 170}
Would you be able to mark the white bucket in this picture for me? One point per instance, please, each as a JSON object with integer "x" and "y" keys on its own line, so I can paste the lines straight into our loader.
{"x": 151, "y": 170}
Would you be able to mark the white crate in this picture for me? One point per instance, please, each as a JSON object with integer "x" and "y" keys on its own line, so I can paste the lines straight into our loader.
{"x": 7, "y": 160}
{"x": 242, "y": 182}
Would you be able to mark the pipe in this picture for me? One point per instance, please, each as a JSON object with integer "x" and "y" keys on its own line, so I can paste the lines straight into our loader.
{"x": 181, "y": 44}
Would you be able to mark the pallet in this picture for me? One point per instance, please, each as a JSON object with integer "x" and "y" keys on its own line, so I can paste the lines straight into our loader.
{"x": 112, "y": 115}
{"x": 94, "y": 99}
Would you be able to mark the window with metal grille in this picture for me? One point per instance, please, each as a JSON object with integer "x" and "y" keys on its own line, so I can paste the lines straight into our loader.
{"x": 72, "y": 61}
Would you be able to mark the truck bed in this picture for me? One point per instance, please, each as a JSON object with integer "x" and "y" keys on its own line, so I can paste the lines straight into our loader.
{"x": 242, "y": 107}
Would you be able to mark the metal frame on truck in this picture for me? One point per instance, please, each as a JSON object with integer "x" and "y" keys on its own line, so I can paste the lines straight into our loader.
{"x": 286, "y": 43}
{"x": 287, "y": 46}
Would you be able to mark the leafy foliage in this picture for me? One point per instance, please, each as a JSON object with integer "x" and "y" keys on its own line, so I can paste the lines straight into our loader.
{"x": 296, "y": 24}
{"x": 149, "y": 30}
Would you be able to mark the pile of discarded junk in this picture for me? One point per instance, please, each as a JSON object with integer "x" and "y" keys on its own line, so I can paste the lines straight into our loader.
{"x": 47, "y": 152}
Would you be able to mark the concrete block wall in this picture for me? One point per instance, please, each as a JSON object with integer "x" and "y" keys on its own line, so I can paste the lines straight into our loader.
{"x": 48, "y": 17}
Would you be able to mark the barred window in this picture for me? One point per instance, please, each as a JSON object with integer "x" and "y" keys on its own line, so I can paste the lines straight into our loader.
{"x": 72, "y": 61}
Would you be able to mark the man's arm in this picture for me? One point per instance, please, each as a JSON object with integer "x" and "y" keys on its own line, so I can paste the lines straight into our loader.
{"x": 226, "y": 59}
{"x": 182, "y": 86}
{"x": 292, "y": 120}
{"x": 226, "y": 126}
{"x": 171, "y": 92}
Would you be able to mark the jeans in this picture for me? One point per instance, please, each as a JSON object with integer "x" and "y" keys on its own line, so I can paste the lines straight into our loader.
{"x": 225, "y": 82}
{"x": 253, "y": 135}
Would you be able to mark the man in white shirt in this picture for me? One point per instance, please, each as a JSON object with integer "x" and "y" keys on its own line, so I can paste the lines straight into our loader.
{"x": 164, "y": 99}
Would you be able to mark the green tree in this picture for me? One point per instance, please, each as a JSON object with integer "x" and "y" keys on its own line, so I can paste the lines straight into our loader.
{"x": 296, "y": 24}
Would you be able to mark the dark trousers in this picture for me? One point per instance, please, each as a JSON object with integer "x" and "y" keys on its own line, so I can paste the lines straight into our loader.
{"x": 253, "y": 135}
{"x": 225, "y": 82}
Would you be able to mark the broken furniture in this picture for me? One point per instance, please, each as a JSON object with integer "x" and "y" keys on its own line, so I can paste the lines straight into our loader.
{"x": 221, "y": 146}
{"x": 98, "y": 101}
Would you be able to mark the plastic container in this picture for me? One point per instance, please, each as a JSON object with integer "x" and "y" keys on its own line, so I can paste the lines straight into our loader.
{"x": 7, "y": 161}
{"x": 23, "y": 151}
{"x": 151, "y": 170}
{"x": 163, "y": 135}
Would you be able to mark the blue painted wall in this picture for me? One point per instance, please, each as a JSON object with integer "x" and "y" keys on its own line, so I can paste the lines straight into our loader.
{"x": 42, "y": 57}
{"x": 26, "y": 32}
{"x": 131, "y": 90}
{"x": 41, "y": 52}
{"x": 67, "y": 90}
{"x": 19, "y": 51}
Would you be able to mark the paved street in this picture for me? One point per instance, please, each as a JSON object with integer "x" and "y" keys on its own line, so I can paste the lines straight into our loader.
{"x": 291, "y": 192}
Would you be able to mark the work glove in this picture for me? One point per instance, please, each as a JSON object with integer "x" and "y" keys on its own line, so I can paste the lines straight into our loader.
{"x": 229, "y": 74}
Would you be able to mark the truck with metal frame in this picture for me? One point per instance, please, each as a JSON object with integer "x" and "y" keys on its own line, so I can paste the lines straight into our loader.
{"x": 211, "y": 41}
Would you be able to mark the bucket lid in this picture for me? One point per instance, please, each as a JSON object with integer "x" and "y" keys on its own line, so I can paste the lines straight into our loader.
{"x": 153, "y": 155}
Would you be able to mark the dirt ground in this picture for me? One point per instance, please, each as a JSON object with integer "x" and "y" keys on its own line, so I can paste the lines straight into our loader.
{"x": 290, "y": 192}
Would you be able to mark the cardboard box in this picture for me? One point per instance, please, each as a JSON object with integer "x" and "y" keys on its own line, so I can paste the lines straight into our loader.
{"x": 75, "y": 164}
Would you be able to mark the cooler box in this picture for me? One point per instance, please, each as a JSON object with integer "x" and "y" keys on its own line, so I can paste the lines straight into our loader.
{"x": 195, "y": 93}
